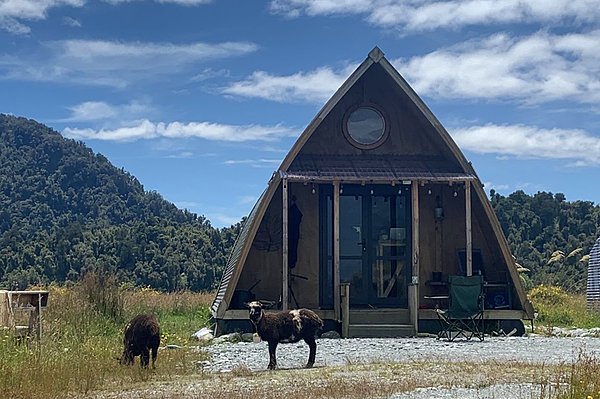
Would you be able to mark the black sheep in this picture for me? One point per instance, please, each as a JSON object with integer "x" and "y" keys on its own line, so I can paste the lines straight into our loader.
{"x": 287, "y": 326}
{"x": 142, "y": 334}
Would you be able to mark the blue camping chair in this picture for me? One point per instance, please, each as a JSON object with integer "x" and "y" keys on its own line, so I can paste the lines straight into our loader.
{"x": 464, "y": 316}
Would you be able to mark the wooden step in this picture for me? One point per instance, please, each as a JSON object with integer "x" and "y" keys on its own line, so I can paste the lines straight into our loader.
{"x": 379, "y": 316}
{"x": 380, "y": 330}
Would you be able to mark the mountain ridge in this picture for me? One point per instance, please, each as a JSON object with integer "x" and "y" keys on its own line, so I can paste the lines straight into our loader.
{"x": 65, "y": 210}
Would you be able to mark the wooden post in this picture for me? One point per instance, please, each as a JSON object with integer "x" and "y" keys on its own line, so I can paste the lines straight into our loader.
{"x": 345, "y": 293}
{"x": 336, "y": 249}
{"x": 285, "y": 282}
{"x": 469, "y": 249}
{"x": 414, "y": 291}
{"x": 39, "y": 332}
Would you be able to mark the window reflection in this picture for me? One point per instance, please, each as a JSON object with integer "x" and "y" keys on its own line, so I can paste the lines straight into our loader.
{"x": 365, "y": 125}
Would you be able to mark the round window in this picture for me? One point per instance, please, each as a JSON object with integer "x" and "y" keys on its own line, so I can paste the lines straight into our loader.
{"x": 365, "y": 126}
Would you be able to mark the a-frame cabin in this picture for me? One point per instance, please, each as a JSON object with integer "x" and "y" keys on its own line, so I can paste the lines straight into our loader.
{"x": 375, "y": 198}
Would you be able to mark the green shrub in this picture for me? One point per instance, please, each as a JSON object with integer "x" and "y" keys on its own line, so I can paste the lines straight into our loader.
{"x": 557, "y": 308}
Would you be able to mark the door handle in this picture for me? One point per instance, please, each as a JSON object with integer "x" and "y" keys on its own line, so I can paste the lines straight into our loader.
{"x": 363, "y": 244}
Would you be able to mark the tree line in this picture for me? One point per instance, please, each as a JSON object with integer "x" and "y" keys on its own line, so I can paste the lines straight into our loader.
{"x": 65, "y": 210}
{"x": 549, "y": 235}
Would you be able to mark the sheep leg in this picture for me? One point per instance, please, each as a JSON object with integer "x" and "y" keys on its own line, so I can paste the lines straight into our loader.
{"x": 272, "y": 359}
{"x": 145, "y": 358}
{"x": 154, "y": 354}
{"x": 313, "y": 351}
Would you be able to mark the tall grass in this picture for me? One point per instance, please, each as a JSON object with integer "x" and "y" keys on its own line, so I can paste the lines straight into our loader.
{"x": 578, "y": 380}
{"x": 557, "y": 308}
{"x": 82, "y": 335}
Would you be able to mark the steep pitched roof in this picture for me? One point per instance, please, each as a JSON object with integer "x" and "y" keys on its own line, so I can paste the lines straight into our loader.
{"x": 289, "y": 169}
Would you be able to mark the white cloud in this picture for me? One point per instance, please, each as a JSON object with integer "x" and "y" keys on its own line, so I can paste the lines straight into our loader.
{"x": 533, "y": 69}
{"x": 536, "y": 68}
{"x": 209, "y": 73}
{"x": 313, "y": 86}
{"x": 419, "y": 15}
{"x": 13, "y": 26}
{"x": 255, "y": 163}
{"x": 187, "y": 204}
{"x": 72, "y": 22}
{"x": 99, "y": 110}
{"x": 92, "y": 110}
{"x": 146, "y": 129}
{"x": 33, "y": 9}
{"x": 493, "y": 186}
{"x": 294, "y": 8}
{"x": 112, "y": 63}
{"x": 531, "y": 142}
{"x": 222, "y": 219}
{"x": 181, "y": 155}
{"x": 179, "y": 2}
{"x": 13, "y": 12}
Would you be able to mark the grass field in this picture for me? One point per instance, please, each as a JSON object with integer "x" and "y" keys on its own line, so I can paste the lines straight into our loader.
{"x": 82, "y": 336}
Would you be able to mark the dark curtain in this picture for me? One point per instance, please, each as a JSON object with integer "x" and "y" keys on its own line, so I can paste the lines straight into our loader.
{"x": 294, "y": 220}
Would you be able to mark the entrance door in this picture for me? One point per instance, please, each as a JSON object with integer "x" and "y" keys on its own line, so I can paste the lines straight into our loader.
{"x": 389, "y": 246}
{"x": 374, "y": 245}
{"x": 353, "y": 245}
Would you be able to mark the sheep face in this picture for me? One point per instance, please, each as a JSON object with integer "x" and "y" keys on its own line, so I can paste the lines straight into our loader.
{"x": 256, "y": 311}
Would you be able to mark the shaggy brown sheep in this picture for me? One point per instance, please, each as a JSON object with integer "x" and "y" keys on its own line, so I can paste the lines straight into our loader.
{"x": 286, "y": 327}
{"x": 142, "y": 334}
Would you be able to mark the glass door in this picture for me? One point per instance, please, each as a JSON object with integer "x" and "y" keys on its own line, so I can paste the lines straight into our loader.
{"x": 389, "y": 246}
{"x": 374, "y": 245}
{"x": 353, "y": 244}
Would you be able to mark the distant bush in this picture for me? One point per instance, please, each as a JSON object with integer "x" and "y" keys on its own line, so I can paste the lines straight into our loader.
{"x": 548, "y": 294}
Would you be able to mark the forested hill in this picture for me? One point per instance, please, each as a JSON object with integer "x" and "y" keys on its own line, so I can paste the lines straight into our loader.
{"x": 65, "y": 210}
{"x": 537, "y": 226}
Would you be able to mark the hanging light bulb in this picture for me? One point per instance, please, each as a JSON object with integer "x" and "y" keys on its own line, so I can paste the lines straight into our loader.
{"x": 313, "y": 189}
{"x": 429, "y": 191}
{"x": 341, "y": 188}
{"x": 455, "y": 193}
{"x": 371, "y": 191}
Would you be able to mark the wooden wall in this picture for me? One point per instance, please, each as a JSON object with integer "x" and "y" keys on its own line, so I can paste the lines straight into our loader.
{"x": 438, "y": 251}
{"x": 306, "y": 291}
{"x": 266, "y": 265}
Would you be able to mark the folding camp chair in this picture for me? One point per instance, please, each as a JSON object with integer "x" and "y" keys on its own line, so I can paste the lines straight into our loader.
{"x": 464, "y": 316}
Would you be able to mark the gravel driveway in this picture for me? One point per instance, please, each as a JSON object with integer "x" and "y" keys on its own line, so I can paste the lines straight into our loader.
{"x": 330, "y": 352}
{"x": 532, "y": 349}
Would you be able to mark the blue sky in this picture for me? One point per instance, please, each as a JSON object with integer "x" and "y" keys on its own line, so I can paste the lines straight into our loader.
{"x": 201, "y": 100}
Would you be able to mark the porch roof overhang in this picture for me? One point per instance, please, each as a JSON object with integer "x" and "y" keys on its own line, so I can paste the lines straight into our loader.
{"x": 372, "y": 169}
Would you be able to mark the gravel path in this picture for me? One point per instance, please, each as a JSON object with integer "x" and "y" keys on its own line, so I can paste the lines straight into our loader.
{"x": 330, "y": 352}
{"x": 533, "y": 349}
